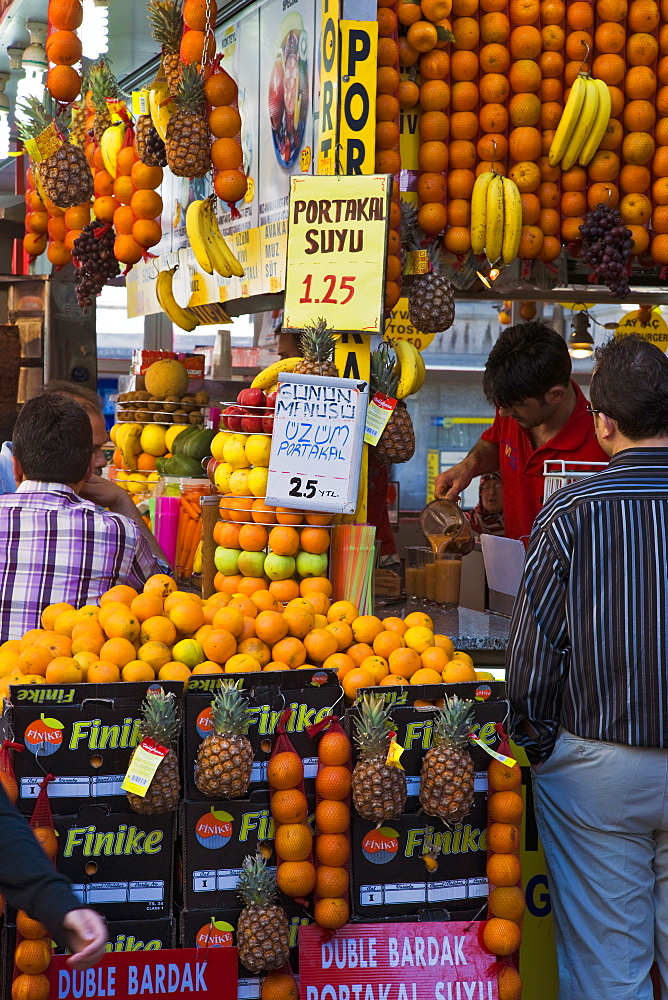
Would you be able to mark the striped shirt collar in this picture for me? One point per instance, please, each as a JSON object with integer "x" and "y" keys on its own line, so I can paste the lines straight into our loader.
{"x": 640, "y": 456}
{"x": 32, "y": 486}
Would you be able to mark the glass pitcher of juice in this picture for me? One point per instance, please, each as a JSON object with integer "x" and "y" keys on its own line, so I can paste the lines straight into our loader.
{"x": 446, "y": 527}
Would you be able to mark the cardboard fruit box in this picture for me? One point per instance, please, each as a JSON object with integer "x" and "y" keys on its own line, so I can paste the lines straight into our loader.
{"x": 312, "y": 695}
{"x": 119, "y": 863}
{"x": 215, "y": 839}
{"x": 84, "y": 734}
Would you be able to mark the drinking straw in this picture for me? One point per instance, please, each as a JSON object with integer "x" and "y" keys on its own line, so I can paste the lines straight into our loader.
{"x": 167, "y": 511}
{"x": 352, "y": 564}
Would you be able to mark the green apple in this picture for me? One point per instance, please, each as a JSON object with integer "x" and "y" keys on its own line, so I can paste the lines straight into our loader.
{"x": 227, "y": 560}
{"x": 252, "y": 563}
{"x": 311, "y": 564}
{"x": 279, "y": 567}
{"x": 188, "y": 651}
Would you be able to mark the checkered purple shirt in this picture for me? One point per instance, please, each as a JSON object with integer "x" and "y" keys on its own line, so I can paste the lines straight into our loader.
{"x": 54, "y": 547}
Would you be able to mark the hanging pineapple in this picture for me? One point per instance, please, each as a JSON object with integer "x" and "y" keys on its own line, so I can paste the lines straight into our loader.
{"x": 431, "y": 300}
{"x": 317, "y": 347}
{"x": 379, "y": 790}
{"x": 263, "y": 933}
{"x": 166, "y": 17}
{"x": 187, "y": 140}
{"x": 447, "y": 776}
{"x": 397, "y": 442}
{"x": 65, "y": 175}
{"x": 103, "y": 85}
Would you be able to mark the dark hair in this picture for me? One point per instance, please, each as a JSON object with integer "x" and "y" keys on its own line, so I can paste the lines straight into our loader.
{"x": 630, "y": 384}
{"x": 526, "y": 361}
{"x": 53, "y": 439}
{"x": 85, "y": 397}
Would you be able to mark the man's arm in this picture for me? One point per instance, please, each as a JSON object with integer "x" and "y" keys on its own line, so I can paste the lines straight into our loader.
{"x": 108, "y": 494}
{"x": 483, "y": 458}
{"x": 538, "y": 654}
{"x": 29, "y": 882}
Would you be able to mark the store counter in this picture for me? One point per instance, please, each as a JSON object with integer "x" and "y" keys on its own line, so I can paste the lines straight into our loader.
{"x": 482, "y": 634}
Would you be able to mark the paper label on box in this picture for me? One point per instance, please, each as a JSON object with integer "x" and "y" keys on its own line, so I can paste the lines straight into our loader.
{"x": 144, "y": 764}
{"x": 140, "y": 105}
{"x": 45, "y": 144}
{"x": 378, "y": 413}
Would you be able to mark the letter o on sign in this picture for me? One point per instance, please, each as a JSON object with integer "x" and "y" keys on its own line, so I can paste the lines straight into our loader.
{"x": 354, "y": 122}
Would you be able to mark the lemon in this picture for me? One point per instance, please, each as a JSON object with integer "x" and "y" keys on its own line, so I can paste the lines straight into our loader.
{"x": 153, "y": 478}
{"x": 239, "y": 483}
{"x": 234, "y": 454}
{"x": 221, "y": 477}
{"x": 136, "y": 482}
{"x": 122, "y": 478}
{"x": 257, "y": 480}
{"x": 172, "y": 433}
{"x": 419, "y": 638}
{"x": 217, "y": 445}
{"x": 153, "y": 440}
{"x": 257, "y": 449}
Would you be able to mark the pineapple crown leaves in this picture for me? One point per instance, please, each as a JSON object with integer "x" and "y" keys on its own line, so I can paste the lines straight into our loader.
{"x": 166, "y": 17}
{"x": 316, "y": 341}
{"x": 160, "y": 716}
{"x": 453, "y": 722}
{"x": 230, "y": 709}
{"x": 190, "y": 95}
{"x": 102, "y": 84}
{"x": 257, "y": 884}
{"x": 38, "y": 115}
{"x": 383, "y": 378}
{"x": 373, "y": 726}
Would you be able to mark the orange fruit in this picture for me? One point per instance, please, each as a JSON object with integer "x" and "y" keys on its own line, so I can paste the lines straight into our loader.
{"x": 530, "y": 209}
{"x": 242, "y": 663}
{"x": 434, "y": 65}
{"x": 501, "y": 778}
{"x": 289, "y": 805}
{"x": 507, "y": 902}
{"x": 279, "y": 985}
{"x": 578, "y": 43}
{"x": 526, "y": 175}
{"x": 494, "y": 58}
{"x": 404, "y": 662}
{"x": 32, "y": 957}
{"x": 158, "y": 629}
{"x": 463, "y": 65}
{"x": 332, "y": 849}
{"x": 293, "y": 841}
{"x": 103, "y": 672}
{"x": 358, "y": 651}
{"x": 643, "y": 15}
{"x": 271, "y": 627}
{"x": 333, "y": 782}
{"x": 331, "y": 881}
{"x": 610, "y": 68}
{"x": 524, "y": 142}
{"x": 639, "y": 82}
{"x": 160, "y": 584}
{"x": 334, "y": 749}
{"x": 136, "y": 670}
{"x": 500, "y": 936}
{"x": 332, "y": 816}
{"x": 27, "y": 987}
{"x": 118, "y": 650}
{"x": 456, "y": 672}
{"x": 355, "y": 679}
{"x": 604, "y": 166}
{"x": 377, "y": 666}
{"x": 296, "y": 878}
{"x": 494, "y": 89}
{"x": 29, "y": 928}
{"x": 290, "y": 651}
{"x": 285, "y": 770}
{"x": 525, "y": 42}
{"x": 219, "y": 645}
{"x": 509, "y": 983}
{"x": 503, "y": 869}
{"x": 505, "y": 807}
{"x": 51, "y": 612}
{"x": 230, "y": 620}
{"x": 503, "y": 838}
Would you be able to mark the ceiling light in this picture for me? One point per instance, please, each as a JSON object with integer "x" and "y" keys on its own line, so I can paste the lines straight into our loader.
{"x": 580, "y": 343}
{"x": 4, "y": 118}
{"x": 94, "y": 30}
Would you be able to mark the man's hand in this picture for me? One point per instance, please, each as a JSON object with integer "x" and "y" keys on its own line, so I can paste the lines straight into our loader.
{"x": 106, "y": 493}
{"x": 86, "y": 938}
{"x": 454, "y": 481}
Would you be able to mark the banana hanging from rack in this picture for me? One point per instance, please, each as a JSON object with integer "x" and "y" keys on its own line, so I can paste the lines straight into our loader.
{"x": 267, "y": 377}
{"x": 597, "y": 131}
{"x": 196, "y": 237}
{"x": 494, "y": 219}
{"x": 217, "y": 245}
{"x": 409, "y": 368}
{"x": 583, "y": 126}
{"x": 479, "y": 211}
{"x": 111, "y": 144}
{"x": 512, "y": 220}
{"x": 569, "y": 119}
{"x": 169, "y": 305}
{"x": 161, "y": 108}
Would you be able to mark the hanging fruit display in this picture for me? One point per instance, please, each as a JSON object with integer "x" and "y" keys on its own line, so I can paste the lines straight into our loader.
{"x": 197, "y": 42}
{"x": 332, "y": 819}
{"x": 93, "y": 255}
{"x": 187, "y": 139}
{"x": 388, "y": 156}
{"x": 36, "y": 219}
{"x": 64, "y": 50}
{"x": 229, "y": 182}
{"x": 61, "y": 168}
{"x": 166, "y": 20}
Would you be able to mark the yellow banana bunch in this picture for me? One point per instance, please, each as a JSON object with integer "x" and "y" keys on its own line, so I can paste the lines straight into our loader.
{"x": 411, "y": 368}
{"x": 196, "y": 236}
{"x": 111, "y": 144}
{"x": 265, "y": 380}
{"x": 597, "y": 131}
{"x": 169, "y": 305}
{"x": 496, "y": 217}
{"x": 582, "y": 124}
{"x": 208, "y": 243}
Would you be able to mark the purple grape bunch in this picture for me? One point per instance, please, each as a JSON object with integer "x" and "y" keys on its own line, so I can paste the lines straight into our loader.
{"x": 95, "y": 261}
{"x": 606, "y": 248}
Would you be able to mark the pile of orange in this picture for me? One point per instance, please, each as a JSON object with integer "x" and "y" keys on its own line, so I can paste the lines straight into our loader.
{"x": 388, "y": 157}
{"x": 63, "y": 50}
{"x": 229, "y": 180}
{"x": 506, "y": 906}
{"x": 332, "y": 827}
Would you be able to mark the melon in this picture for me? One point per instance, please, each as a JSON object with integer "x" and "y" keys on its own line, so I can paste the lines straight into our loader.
{"x": 166, "y": 378}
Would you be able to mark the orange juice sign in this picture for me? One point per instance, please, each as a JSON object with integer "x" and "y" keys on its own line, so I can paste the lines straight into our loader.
{"x": 198, "y": 974}
{"x": 337, "y": 236}
{"x": 425, "y": 961}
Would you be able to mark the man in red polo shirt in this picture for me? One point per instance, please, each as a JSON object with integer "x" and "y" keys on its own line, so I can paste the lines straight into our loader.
{"x": 541, "y": 414}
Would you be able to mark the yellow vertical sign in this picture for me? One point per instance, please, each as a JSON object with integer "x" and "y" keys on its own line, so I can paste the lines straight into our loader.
{"x": 357, "y": 129}
{"x": 432, "y": 472}
{"x": 352, "y": 357}
{"x": 329, "y": 87}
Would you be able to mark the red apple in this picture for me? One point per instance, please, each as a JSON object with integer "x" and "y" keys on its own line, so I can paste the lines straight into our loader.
{"x": 211, "y": 467}
{"x": 271, "y": 399}
{"x": 268, "y": 424}
{"x": 231, "y": 418}
{"x": 251, "y": 397}
{"x": 251, "y": 425}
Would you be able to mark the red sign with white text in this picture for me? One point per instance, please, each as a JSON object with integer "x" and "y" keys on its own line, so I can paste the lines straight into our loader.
{"x": 417, "y": 961}
{"x": 192, "y": 973}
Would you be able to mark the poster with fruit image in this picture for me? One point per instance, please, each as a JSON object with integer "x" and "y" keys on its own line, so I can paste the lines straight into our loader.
{"x": 286, "y": 101}
{"x": 237, "y": 40}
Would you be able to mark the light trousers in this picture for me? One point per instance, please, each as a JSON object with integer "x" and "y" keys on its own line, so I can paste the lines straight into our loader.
{"x": 602, "y": 815}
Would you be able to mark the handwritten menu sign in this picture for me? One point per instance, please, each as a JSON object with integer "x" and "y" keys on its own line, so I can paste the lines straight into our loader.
{"x": 337, "y": 238}
{"x": 316, "y": 448}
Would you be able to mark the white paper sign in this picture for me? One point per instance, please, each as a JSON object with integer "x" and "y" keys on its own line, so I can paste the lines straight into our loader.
{"x": 316, "y": 448}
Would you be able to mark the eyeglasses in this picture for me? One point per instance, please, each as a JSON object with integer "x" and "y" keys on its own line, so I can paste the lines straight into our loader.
{"x": 590, "y": 409}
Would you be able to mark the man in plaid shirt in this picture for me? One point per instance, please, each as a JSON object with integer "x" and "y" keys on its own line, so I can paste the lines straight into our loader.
{"x": 57, "y": 540}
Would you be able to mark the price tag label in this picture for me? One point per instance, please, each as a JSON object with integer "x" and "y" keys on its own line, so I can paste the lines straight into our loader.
{"x": 378, "y": 414}
{"x": 337, "y": 237}
{"x": 140, "y": 102}
{"x": 45, "y": 144}
{"x": 316, "y": 447}
{"x": 145, "y": 762}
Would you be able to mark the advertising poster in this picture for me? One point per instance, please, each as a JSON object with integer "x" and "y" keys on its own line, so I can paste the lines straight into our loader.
{"x": 238, "y": 42}
{"x": 288, "y": 53}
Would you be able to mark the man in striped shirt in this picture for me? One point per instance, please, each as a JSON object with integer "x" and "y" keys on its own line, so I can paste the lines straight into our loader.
{"x": 588, "y": 681}
{"x": 57, "y": 543}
